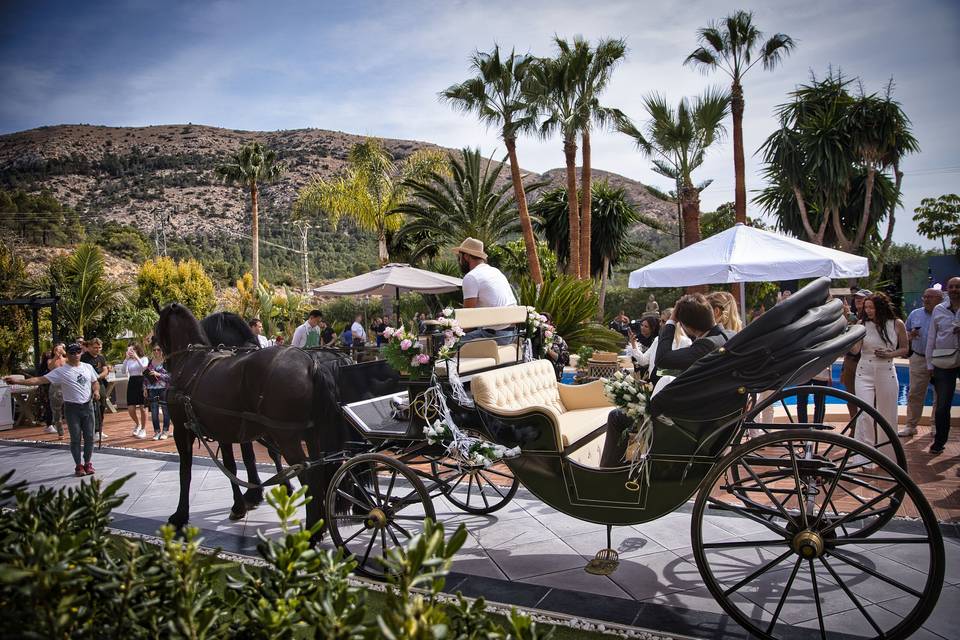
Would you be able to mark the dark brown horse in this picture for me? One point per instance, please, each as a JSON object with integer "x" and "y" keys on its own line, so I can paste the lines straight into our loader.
{"x": 287, "y": 395}
{"x": 225, "y": 329}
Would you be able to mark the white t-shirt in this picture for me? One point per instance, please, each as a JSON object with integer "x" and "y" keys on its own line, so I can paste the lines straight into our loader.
{"x": 489, "y": 286}
{"x": 358, "y": 333}
{"x": 300, "y": 335}
{"x": 76, "y": 382}
{"x": 135, "y": 366}
{"x": 262, "y": 340}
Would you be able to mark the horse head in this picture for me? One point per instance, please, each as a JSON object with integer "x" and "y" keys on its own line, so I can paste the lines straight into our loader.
{"x": 177, "y": 329}
{"x": 228, "y": 329}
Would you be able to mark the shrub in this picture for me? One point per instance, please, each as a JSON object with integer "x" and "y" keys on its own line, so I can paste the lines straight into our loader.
{"x": 62, "y": 575}
{"x": 573, "y": 305}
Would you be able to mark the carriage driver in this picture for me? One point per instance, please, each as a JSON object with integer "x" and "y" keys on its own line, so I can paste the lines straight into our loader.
{"x": 483, "y": 286}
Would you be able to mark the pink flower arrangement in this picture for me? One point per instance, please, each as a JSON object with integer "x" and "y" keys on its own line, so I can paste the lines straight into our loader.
{"x": 405, "y": 344}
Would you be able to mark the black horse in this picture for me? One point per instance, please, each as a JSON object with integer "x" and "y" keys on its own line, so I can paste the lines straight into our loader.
{"x": 225, "y": 329}
{"x": 284, "y": 394}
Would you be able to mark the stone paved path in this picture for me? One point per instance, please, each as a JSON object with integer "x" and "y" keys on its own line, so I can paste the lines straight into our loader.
{"x": 527, "y": 552}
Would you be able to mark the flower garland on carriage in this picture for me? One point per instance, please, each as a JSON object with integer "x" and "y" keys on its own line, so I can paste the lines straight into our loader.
{"x": 406, "y": 353}
{"x": 632, "y": 397}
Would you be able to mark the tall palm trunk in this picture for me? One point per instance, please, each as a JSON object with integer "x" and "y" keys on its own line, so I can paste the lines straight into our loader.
{"x": 585, "y": 206}
{"x": 382, "y": 253}
{"x": 255, "y": 232}
{"x": 529, "y": 241}
{"x": 603, "y": 287}
{"x": 867, "y": 201}
{"x": 898, "y": 179}
{"x": 740, "y": 196}
{"x": 690, "y": 204}
{"x": 573, "y": 210}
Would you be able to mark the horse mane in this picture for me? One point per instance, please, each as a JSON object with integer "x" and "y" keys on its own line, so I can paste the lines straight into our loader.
{"x": 228, "y": 329}
{"x": 168, "y": 323}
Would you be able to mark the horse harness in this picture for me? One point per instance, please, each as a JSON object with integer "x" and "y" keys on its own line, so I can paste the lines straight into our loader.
{"x": 194, "y": 425}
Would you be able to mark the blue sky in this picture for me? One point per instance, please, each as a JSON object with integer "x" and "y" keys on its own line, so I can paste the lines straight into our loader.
{"x": 375, "y": 68}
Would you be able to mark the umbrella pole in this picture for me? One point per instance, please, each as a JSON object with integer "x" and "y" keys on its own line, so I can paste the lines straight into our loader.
{"x": 743, "y": 302}
{"x": 397, "y": 310}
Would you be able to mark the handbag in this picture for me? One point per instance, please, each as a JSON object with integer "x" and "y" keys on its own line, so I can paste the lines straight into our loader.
{"x": 945, "y": 358}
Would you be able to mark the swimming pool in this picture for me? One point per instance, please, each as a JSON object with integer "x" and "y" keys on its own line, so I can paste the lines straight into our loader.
{"x": 903, "y": 380}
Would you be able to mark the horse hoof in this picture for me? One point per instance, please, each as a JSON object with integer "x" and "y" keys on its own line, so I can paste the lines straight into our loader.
{"x": 250, "y": 505}
{"x": 178, "y": 522}
{"x": 237, "y": 515}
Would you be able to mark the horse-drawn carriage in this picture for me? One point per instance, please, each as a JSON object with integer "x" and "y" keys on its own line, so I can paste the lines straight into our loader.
{"x": 821, "y": 512}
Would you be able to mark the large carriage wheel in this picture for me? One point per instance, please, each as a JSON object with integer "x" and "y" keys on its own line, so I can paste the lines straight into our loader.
{"x": 808, "y": 560}
{"x": 887, "y": 441}
{"x": 375, "y": 503}
{"x": 474, "y": 488}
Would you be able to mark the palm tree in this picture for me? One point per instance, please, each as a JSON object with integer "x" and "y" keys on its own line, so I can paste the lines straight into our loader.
{"x": 552, "y": 88}
{"x": 734, "y": 46}
{"x": 443, "y": 211}
{"x": 495, "y": 95}
{"x": 679, "y": 139}
{"x": 86, "y": 295}
{"x": 882, "y": 138}
{"x": 371, "y": 189}
{"x": 826, "y": 141}
{"x": 593, "y": 68}
{"x": 615, "y": 216}
{"x": 248, "y": 168}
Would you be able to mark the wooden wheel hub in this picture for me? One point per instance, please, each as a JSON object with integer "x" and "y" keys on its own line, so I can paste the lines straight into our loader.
{"x": 377, "y": 518}
{"x": 808, "y": 544}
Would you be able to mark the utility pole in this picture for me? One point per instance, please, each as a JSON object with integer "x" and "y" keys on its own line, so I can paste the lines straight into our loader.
{"x": 156, "y": 232}
{"x": 304, "y": 228}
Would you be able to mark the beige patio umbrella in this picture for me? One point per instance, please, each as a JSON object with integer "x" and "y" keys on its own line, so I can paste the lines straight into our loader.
{"x": 393, "y": 279}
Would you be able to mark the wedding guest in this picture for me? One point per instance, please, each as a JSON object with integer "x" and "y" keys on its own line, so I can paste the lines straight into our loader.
{"x": 135, "y": 364}
{"x": 918, "y": 325}
{"x": 943, "y": 359}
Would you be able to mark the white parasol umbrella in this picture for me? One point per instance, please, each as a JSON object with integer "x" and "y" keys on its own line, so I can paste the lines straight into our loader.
{"x": 393, "y": 278}
{"x": 748, "y": 254}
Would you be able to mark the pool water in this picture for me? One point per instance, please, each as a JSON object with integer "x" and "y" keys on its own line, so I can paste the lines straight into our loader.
{"x": 903, "y": 380}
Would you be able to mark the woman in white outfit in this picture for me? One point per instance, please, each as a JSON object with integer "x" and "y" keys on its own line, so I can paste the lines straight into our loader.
{"x": 885, "y": 339}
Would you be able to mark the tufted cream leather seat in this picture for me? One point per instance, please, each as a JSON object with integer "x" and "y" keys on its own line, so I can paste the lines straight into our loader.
{"x": 485, "y": 354}
{"x": 574, "y": 410}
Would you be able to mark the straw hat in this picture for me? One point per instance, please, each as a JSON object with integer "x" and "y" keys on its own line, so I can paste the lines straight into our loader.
{"x": 471, "y": 247}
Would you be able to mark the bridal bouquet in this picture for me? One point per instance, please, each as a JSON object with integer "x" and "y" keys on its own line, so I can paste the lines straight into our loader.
{"x": 632, "y": 397}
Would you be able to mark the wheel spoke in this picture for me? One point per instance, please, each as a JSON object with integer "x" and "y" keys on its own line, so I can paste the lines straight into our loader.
{"x": 729, "y": 507}
{"x": 766, "y": 490}
{"x": 469, "y": 487}
{"x": 842, "y": 541}
{"x": 787, "y": 409}
{"x": 417, "y": 518}
{"x": 816, "y": 599}
{"x": 859, "y": 510}
{"x": 800, "y": 493}
{"x": 393, "y": 536}
{"x": 738, "y": 544}
{"x": 493, "y": 486}
{"x": 366, "y": 554}
{"x": 396, "y": 526}
{"x": 851, "y": 596}
{"x": 406, "y": 501}
{"x": 833, "y": 486}
{"x": 486, "y": 503}
{"x": 373, "y": 501}
{"x": 346, "y": 496}
{"x": 393, "y": 480}
{"x": 859, "y": 565}
{"x": 850, "y": 425}
{"x": 348, "y": 540}
{"x": 783, "y": 596}
{"x": 511, "y": 478}
{"x": 758, "y": 572}
{"x": 376, "y": 487}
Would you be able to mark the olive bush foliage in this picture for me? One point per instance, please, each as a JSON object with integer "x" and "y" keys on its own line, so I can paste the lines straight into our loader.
{"x": 62, "y": 575}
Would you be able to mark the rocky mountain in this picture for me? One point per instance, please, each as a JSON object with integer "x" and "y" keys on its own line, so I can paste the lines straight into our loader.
{"x": 127, "y": 174}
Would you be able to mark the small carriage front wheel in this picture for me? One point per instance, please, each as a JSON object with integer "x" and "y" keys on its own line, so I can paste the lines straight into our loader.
{"x": 375, "y": 503}
{"x": 474, "y": 488}
{"x": 801, "y": 556}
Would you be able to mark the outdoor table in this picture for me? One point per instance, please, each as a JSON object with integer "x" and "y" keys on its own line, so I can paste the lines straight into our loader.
{"x": 25, "y": 399}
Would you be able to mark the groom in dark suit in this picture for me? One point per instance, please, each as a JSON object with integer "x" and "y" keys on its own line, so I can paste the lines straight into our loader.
{"x": 695, "y": 316}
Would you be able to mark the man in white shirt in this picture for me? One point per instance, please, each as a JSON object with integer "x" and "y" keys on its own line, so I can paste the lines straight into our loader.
{"x": 256, "y": 325}
{"x": 359, "y": 334}
{"x": 918, "y": 324}
{"x": 483, "y": 286}
{"x": 308, "y": 334}
{"x": 78, "y": 381}
{"x": 943, "y": 342}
